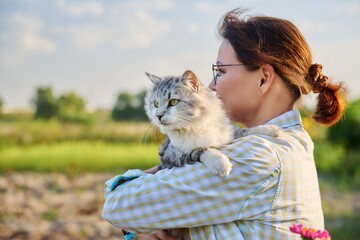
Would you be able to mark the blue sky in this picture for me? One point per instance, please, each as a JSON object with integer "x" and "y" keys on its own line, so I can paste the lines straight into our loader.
{"x": 100, "y": 48}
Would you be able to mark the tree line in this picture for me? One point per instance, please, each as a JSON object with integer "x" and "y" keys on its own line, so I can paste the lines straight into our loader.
{"x": 71, "y": 107}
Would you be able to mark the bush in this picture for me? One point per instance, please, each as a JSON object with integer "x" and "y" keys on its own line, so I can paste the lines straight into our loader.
{"x": 347, "y": 131}
{"x": 45, "y": 102}
{"x": 130, "y": 107}
{"x": 69, "y": 107}
{"x": 329, "y": 158}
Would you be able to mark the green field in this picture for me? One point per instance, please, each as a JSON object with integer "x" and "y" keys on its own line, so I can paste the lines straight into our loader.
{"x": 73, "y": 157}
{"x": 54, "y": 146}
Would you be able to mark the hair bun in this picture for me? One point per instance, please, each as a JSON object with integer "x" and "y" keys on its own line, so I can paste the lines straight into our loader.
{"x": 316, "y": 79}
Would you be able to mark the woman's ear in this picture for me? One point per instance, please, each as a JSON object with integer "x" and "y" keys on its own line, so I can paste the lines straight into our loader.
{"x": 267, "y": 73}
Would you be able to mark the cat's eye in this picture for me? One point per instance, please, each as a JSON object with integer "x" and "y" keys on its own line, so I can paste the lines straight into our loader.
{"x": 156, "y": 104}
{"x": 173, "y": 102}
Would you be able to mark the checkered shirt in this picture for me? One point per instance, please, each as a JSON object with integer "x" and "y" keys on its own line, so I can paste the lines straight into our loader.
{"x": 273, "y": 184}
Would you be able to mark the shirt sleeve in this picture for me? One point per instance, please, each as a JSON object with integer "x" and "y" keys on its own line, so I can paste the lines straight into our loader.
{"x": 192, "y": 196}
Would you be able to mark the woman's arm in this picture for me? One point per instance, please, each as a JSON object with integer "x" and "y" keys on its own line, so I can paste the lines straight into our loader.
{"x": 192, "y": 196}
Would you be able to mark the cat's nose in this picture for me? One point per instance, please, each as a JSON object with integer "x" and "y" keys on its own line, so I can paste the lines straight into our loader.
{"x": 159, "y": 117}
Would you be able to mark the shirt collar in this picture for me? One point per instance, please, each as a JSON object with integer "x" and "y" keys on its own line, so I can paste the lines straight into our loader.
{"x": 287, "y": 119}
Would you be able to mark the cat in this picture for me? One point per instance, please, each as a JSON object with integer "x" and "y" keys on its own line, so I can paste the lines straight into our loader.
{"x": 196, "y": 124}
{"x": 193, "y": 119}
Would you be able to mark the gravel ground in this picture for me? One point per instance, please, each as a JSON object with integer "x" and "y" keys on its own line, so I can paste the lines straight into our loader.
{"x": 53, "y": 206}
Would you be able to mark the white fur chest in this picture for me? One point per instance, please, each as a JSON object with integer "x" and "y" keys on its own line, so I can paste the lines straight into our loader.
{"x": 200, "y": 139}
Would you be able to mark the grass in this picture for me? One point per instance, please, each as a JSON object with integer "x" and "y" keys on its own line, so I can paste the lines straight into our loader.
{"x": 343, "y": 227}
{"x": 74, "y": 157}
{"x": 38, "y": 132}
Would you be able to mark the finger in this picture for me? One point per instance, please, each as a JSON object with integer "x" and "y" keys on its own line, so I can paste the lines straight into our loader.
{"x": 141, "y": 236}
{"x": 163, "y": 235}
{"x": 152, "y": 170}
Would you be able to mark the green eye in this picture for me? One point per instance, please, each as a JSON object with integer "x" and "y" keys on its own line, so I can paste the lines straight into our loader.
{"x": 156, "y": 104}
{"x": 174, "y": 102}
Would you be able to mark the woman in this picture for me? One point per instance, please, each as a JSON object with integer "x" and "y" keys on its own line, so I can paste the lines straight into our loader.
{"x": 263, "y": 67}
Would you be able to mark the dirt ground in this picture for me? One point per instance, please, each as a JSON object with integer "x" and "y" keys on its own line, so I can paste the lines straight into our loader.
{"x": 54, "y": 206}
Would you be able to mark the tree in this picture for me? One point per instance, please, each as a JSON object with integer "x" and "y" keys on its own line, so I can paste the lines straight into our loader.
{"x": 347, "y": 134}
{"x": 141, "y": 114}
{"x": 347, "y": 131}
{"x": 70, "y": 106}
{"x": 45, "y": 103}
{"x": 129, "y": 107}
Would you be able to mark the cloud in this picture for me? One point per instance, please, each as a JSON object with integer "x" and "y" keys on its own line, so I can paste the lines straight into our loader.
{"x": 192, "y": 28}
{"x": 351, "y": 8}
{"x": 32, "y": 41}
{"x": 124, "y": 25}
{"x": 26, "y": 22}
{"x": 311, "y": 27}
{"x": 80, "y": 9}
{"x": 206, "y": 7}
{"x": 27, "y": 31}
{"x": 84, "y": 36}
{"x": 163, "y": 5}
{"x": 142, "y": 30}
{"x": 115, "y": 31}
{"x": 151, "y": 5}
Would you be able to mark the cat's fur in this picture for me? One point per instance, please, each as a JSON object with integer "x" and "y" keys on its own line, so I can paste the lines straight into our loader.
{"x": 195, "y": 126}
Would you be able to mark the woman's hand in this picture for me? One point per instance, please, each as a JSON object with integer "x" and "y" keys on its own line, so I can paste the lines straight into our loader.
{"x": 141, "y": 236}
{"x": 160, "y": 235}
{"x": 153, "y": 170}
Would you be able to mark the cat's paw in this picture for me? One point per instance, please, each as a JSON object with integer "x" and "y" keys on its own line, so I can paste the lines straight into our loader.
{"x": 217, "y": 162}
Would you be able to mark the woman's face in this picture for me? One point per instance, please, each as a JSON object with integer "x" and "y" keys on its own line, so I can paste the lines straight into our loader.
{"x": 236, "y": 87}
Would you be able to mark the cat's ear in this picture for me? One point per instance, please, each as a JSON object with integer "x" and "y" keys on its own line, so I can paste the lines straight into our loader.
{"x": 152, "y": 77}
{"x": 189, "y": 75}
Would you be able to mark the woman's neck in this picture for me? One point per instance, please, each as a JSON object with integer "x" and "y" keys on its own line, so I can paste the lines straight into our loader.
{"x": 264, "y": 117}
{"x": 274, "y": 103}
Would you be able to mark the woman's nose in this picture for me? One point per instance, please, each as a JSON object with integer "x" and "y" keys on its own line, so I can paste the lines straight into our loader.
{"x": 212, "y": 85}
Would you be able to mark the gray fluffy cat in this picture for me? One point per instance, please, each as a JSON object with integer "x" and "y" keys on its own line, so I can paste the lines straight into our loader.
{"x": 193, "y": 119}
{"x": 195, "y": 123}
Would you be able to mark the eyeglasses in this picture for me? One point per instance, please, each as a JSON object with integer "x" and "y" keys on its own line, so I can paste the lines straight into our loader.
{"x": 217, "y": 72}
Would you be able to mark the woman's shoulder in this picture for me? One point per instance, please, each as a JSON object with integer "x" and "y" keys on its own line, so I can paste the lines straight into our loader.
{"x": 269, "y": 149}
{"x": 282, "y": 137}
{"x": 252, "y": 151}
{"x": 250, "y": 145}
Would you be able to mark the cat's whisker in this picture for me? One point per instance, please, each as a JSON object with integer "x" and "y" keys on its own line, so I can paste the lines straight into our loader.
{"x": 183, "y": 122}
{"x": 148, "y": 134}
{"x": 179, "y": 124}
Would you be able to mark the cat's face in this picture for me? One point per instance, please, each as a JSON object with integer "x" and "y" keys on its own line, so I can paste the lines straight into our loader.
{"x": 174, "y": 103}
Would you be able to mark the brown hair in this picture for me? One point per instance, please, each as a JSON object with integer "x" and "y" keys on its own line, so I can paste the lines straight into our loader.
{"x": 259, "y": 40}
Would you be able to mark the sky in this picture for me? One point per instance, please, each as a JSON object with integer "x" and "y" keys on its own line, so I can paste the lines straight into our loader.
{"x": 101, "y": 48}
